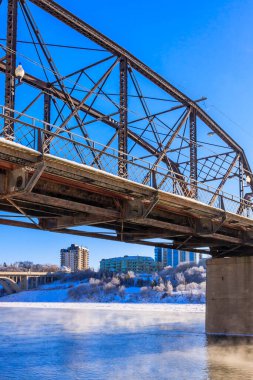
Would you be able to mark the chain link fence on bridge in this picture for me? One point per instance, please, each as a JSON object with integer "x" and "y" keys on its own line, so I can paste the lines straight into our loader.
{"x": 49, "y": 139}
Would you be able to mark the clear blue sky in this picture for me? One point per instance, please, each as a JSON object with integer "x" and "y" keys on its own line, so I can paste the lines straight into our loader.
{"x": 205, "y": 48}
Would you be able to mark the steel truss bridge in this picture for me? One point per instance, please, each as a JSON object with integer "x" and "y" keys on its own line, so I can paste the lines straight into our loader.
{"x": 92, "y": 136}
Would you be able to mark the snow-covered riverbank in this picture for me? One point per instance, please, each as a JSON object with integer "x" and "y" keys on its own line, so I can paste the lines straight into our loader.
{"x": 77, "y": 292}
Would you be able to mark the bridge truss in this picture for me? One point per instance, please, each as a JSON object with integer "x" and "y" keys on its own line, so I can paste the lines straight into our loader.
{"x": 98, "y": 105}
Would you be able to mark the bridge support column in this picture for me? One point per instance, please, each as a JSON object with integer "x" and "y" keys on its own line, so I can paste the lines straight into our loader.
{"x": 24, "y": 283}
{"x": 229, "y": 300}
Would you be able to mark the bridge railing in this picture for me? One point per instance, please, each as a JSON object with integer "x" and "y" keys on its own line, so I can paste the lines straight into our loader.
{"x": 50, "y": 139}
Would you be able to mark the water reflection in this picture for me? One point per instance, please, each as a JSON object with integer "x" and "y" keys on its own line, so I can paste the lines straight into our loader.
{"x": 230, "y": 357}
{"x": 101, "y": 344}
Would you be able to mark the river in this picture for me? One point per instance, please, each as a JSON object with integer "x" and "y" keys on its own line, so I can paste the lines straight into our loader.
{"x": 101, "y": 341}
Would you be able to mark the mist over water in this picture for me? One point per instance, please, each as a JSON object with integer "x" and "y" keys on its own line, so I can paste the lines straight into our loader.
{"x": 131, "y": 343}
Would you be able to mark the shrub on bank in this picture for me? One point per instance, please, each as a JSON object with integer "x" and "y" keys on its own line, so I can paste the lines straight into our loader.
{"x": 185, "y": 283}
{"x": 96, "y": 291}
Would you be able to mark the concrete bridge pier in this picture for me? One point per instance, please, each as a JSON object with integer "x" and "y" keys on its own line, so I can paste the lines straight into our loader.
{"x": 24, "y": 283}
{"x": 229, "y": 296}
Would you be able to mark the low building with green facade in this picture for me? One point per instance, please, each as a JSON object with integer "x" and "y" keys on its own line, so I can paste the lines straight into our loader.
{"x": 143, "y": 264}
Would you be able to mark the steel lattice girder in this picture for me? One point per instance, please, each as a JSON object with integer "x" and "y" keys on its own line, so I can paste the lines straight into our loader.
{"x": 77, "y": 24}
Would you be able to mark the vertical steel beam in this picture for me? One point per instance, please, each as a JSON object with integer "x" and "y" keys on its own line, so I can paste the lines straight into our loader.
{"x": 241, "y": 186}
{"x": 122, "y": 130}
{"x": 47, "y": 108}
{"x": 193, "y": 153}
{"x": 11, "y": 44}
{"x": 47, "y": 119}
{"x": 241, "y": 175}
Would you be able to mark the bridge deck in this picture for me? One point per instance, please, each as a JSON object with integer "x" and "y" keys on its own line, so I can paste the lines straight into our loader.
{"x": 25, "y": 274}
{"x": 69, "y": 194}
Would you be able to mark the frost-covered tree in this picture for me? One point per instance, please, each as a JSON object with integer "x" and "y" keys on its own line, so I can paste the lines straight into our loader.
{"x": 169, "y": 287}
{"x": 192, "y": 286}
{"x": 202, "y": 286}
{"x": 109, "y": 287}
{"x": 122, "y": 290}
{"x": 130, "y": 278}
{"x": 160, "y": 288}
{"x": 181, "y": 288}
{"x": 180, "y": 278}
{"x": 182, "y": 267}
{"x": 195, "y": 274}
{"x": 115, "y": 281}
{"x": 94, "y": 282}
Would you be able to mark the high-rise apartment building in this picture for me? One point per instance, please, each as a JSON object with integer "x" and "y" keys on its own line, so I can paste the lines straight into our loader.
{"x": 174, "y": 257}
{"x": 75, "y": 257}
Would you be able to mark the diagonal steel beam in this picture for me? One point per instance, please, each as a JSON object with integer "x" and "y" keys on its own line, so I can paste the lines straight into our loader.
{"x": 224, "y": 179}
{"x": 166, "y": 111}
{"x": 39, "y": 169}
{"x": 100, "y": 91}
{"x": 60, "y": 111}
{"x": 170, "y": 164}
{"x": 52, "y": 65}
{"x": 206, "y": 158}
{"x": 22, "y": 212}
{"x": 47, "y": 137}
{"x": 79, "y": 106}
{"x": 167, "y": 146}
{"x": 145, "y": 108}
{"x": 3, "y": 59}
{"x": 45, "y": 51}
{"x": 84, "y": 69}
{"x": 29, "y": 105}
{"x": 100, "y": 154}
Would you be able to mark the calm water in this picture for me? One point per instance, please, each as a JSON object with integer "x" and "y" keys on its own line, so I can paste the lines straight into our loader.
{"x": 116, "y": 344}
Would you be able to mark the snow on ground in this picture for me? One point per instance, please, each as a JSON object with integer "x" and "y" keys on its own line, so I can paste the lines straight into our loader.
{"x": 53, "y": 292}
{"x": 63, "y": 292}
{"x": 55, "y": 295}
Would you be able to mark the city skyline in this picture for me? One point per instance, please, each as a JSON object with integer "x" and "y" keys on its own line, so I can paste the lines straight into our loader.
{"x": 154, "y": 255}
{"x": 172, "y": 47}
